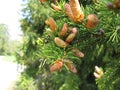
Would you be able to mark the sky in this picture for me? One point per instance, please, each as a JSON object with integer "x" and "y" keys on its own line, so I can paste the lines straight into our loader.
{"x": 10, "y": 15}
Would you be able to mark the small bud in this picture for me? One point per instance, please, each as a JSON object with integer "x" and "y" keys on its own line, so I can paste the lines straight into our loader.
{"x": 74, "y": 30}
{"x": 47, "y": 22}
{"x": 56, "y": 1}
{"x": 98, "y": 72}
{"x": 100, "y": 32}
{"x": 110, "y": 5}
{"x": 96, "y": 75}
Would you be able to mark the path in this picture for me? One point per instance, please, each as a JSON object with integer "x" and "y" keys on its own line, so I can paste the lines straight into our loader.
{"x": 8, "y": 74}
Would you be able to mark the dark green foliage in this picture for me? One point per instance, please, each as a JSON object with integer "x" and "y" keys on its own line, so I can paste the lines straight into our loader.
{"x": 101, "y": 46}
{"x": 34, "y": 16}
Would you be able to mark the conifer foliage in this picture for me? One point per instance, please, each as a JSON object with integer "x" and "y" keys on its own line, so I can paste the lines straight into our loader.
{"x": 71, "y": 45}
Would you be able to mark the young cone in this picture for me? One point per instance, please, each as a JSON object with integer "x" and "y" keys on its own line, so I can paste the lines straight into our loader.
{"x": 77, "y": 11}
{"x": 56, "y": 8}
{"x": 59, "y": 42}
{"x": 64, "y": 30}
{"x": 70, "y": 37}
{"x": 68, "y": 11}
{"x": 57, "y": 65}
{"x": 51, "y": 22}
{"x": 92, "y": 21}
{"x": 71, "y": 66}
{"x": 77, "y": 52}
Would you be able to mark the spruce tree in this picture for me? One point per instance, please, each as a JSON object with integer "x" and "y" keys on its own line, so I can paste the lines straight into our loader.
{"x": 71, "y": 44}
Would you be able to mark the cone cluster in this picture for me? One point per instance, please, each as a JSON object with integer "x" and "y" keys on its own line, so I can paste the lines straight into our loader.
{"x": 67, "y": 33}
{"x": 59, "y": 63}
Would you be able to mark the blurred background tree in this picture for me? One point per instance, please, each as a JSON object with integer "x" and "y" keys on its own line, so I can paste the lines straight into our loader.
{"x": 4, "y": 36}
{"x": 99, "y": 42}
{"x": 7, "y": 46}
